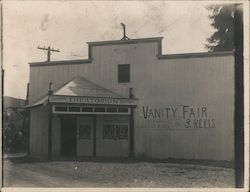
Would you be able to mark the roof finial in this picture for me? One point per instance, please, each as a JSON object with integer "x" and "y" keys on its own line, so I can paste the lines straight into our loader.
{"x": 124, "y": 32}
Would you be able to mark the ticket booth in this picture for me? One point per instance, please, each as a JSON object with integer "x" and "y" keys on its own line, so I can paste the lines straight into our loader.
{"x": 91, "y": 125}
{"x": 102, "y": 134}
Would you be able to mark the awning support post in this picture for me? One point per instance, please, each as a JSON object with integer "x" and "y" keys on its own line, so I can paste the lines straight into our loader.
{"x": 50, "y": 125}
{"x": 131, "y": 96}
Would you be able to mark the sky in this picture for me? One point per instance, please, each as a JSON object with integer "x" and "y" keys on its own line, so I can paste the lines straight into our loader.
{"x": 68, "y": 25}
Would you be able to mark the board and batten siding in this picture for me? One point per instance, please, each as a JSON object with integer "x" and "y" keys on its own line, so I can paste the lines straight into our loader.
{"x": 39, "y": 132}
{"x": 102, "y": 70}
{"x": 56, "y": 136}
{"x": 195, "y": 81}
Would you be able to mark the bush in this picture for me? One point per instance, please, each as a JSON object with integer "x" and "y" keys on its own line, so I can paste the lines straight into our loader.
{"x": 14, "y": 131}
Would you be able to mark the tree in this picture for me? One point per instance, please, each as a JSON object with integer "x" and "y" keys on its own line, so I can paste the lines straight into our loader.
{"x": 222, "y": 18}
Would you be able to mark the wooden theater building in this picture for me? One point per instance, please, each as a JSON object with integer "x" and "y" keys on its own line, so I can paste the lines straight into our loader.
{"x": 127, "y": 99}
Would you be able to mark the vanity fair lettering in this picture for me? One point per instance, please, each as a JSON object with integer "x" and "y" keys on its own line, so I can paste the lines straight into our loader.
{"x": 159, "y": 113}
{"x": 190, "y": 112}
{"x": 173, "y": 112}
{"x": 195, "y": 117}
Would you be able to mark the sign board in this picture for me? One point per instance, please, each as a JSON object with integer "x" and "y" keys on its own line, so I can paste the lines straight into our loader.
{"x": 91, "y": 100}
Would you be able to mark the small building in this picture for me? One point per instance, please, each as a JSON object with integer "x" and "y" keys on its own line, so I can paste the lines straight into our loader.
{"x": 129, "y": 100}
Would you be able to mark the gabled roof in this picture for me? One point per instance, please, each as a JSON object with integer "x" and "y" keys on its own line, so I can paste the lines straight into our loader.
{"x": 80, "y": 86}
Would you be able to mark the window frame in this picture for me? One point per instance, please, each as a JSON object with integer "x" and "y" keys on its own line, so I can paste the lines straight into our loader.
{"x": 123, "y": 78}
{"x": 54, "y": 111}
{"x": 115, "y": 127}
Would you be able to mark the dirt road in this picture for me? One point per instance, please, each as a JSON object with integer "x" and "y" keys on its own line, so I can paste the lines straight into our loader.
{"x": 107, "y": 174}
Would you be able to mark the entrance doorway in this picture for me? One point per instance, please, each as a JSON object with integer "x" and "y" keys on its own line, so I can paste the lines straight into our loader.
{"x": 102, "y": 135}
{"x": 68, "y": 135}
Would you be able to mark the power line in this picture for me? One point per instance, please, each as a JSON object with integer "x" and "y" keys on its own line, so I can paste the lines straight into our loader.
{"x": 147, "y": 21}
{"x": 164, "y": 29}
{"x": 175, "y": 21}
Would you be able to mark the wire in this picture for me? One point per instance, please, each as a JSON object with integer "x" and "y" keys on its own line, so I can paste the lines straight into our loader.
{"x": 147, "y": 21}
{"x": 165, "y": 28}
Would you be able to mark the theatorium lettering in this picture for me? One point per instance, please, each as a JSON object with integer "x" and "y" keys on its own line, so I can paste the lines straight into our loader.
{"x": 92, "y": 100}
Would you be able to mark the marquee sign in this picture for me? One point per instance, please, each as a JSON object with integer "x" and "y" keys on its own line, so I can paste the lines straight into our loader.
{"x": 91, "y": 100}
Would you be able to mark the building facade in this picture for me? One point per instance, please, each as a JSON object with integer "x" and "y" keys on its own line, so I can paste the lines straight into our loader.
{"x": 129, "y": 100}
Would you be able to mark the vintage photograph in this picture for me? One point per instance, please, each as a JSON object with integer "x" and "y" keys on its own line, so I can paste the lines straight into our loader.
{"x": 123, "y": 94}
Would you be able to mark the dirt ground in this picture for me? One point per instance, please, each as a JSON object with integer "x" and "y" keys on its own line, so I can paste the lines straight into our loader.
{"x": 114, "y": 174}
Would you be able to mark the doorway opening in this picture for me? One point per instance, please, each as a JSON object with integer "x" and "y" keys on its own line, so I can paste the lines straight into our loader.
{"x": 68, "y": 135}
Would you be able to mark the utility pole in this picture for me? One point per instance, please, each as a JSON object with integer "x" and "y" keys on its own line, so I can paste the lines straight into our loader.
{"x": 239, "y": 97}
{"x": 49, "y": 51}
{"x": 124, "y": 32}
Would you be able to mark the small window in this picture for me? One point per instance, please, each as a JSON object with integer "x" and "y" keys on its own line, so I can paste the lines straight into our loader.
{"x": 74, "y": 109}
{"x": 108, "y": 131}
{"x": 115, "y": 132}
{"x": 99, "y": 109}
{"x": 87, "y": 109}
{"x": 123, "y": 73}
{"x": 60, "y": 108}
{"x": 122, "y": 110}
{"x": 122, "y": 131}
{"x": 112, "y": 109}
